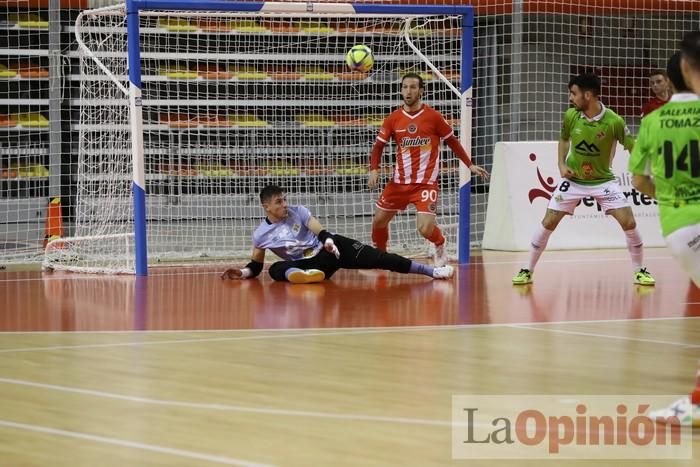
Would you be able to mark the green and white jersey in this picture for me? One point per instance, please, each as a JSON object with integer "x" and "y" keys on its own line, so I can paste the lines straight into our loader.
{"x": 668, "y": 148}
{"x": 592, "y": 144}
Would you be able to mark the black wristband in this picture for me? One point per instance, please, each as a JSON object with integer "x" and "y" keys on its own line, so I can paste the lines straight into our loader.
{"x": 323, "y": 235}
{"x": 255, "y": 267}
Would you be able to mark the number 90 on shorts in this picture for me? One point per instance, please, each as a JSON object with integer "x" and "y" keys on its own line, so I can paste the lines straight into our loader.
{"x": 396, "y": 197}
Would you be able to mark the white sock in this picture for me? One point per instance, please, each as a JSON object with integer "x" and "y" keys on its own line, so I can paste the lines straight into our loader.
{"x": 634, "y": 245}
{"x": 537, "y": 246}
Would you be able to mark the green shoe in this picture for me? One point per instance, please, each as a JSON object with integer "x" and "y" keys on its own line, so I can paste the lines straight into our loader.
{"x": 523, "y": 277}
{"x": 642, "y": 277}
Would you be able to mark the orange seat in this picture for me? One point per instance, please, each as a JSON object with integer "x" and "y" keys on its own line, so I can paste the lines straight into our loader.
{"x": 179, "y": 120}
{"x": 281, "y": 28}
{"x": 215, "y": 120}
{"x": 7, "y": 121}
{"x": 29, "y": 70}
{"x": 213, "y": 72}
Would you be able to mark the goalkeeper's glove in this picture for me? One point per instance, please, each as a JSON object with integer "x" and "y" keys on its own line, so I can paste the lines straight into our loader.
{"x": 330, "y": 247}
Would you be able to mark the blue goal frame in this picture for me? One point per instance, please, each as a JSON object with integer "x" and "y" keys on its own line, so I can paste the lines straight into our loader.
{"x": 135, "y": 105}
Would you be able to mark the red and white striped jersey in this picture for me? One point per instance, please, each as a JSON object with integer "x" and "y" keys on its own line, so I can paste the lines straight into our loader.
{"x": 418, "y": 138}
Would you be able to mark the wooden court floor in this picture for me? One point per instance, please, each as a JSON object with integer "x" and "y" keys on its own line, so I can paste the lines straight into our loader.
{"x": 182, "y": 368}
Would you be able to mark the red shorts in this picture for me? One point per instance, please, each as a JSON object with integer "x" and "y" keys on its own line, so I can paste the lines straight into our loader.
{"x": 396, "y": 197}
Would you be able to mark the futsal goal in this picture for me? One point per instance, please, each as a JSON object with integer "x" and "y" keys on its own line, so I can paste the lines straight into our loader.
{"x": 189, "y": 108}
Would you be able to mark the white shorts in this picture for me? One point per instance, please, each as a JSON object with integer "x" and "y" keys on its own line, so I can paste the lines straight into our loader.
{"x": 568, "y": 195}
{"x": 684, "y": 244}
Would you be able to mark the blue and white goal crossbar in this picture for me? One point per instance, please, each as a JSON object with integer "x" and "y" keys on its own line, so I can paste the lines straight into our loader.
{"x": 133, "y": 7}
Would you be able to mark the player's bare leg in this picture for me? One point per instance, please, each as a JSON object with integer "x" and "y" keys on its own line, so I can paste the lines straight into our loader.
{"x": 537, "y": 245}
{"x": 380, "y": 227}
{"x": 625, "y": 218}
{"x": 551, "y": 219}
{"x": 427, "y": 226}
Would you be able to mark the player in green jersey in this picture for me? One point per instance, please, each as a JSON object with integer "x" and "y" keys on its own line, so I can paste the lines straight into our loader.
{"x": 668, "y": 149}
{"x": 589, "y": 135}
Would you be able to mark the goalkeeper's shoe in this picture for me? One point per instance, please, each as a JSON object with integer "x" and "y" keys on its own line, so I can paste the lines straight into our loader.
{"x": 443, "y": 272}
{"x": 682, "y": 412}
{"x": 523, "y": 277}
{"x": 642, "y": 277}
{"x": 308, "y": 276}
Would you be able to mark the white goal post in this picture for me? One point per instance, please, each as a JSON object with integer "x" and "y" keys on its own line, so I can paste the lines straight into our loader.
{"x": 185, "y": 117}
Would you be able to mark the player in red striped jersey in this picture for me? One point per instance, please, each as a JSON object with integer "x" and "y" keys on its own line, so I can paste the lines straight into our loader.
{"x": 417, "y": 130}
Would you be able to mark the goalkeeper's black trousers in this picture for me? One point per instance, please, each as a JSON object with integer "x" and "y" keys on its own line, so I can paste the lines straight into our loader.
{"x": 353, "y": 255}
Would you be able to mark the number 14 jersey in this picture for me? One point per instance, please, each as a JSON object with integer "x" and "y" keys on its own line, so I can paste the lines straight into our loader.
{"x": 668, "y": 148}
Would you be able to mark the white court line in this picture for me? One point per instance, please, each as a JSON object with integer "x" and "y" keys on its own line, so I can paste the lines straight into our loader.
{"x": 228, "y": 407}
{"x": 79, "y": 276}
{"x": 358, "y": 328}
{"x": 130, "y": 444}
{"x": 607, "y": 336}
{"x": 181, "y": 341}
{"x": 317, "y": 333}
